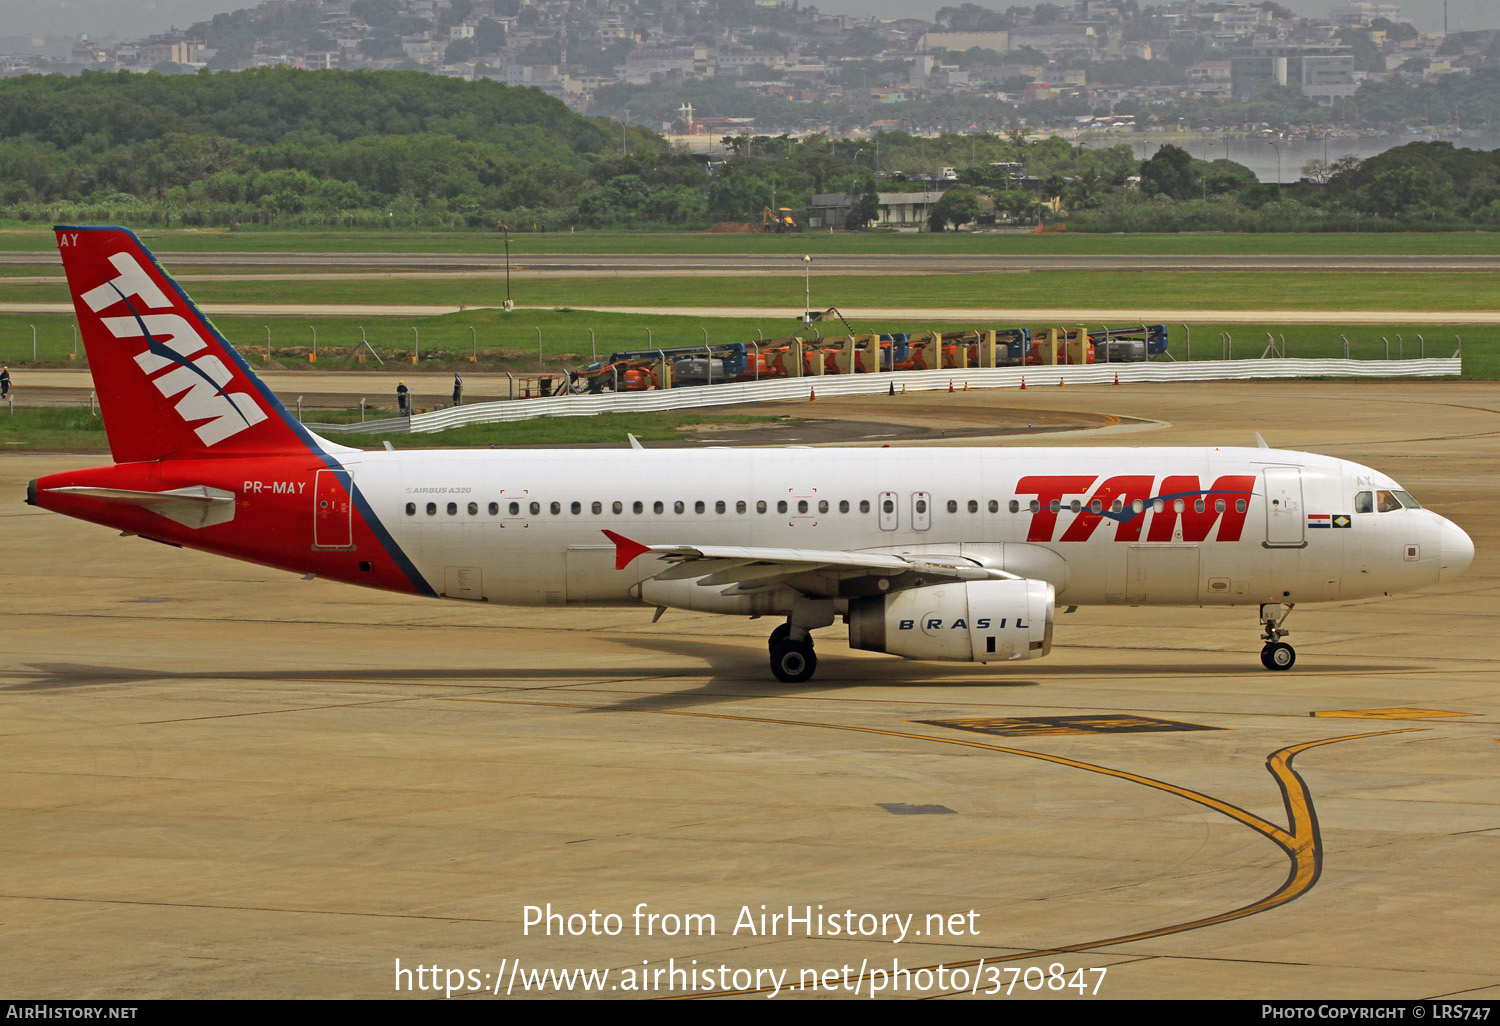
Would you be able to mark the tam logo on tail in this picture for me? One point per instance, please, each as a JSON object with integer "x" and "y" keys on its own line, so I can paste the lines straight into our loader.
{"x": 170, "y": 340}
{"x": 169, "y": 384}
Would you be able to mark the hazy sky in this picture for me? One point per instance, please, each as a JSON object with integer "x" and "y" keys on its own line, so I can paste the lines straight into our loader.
{"x": 135, "y": 18}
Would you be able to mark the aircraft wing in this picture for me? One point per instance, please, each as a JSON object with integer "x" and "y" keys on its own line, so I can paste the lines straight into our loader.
{"x": 741, "y": 568}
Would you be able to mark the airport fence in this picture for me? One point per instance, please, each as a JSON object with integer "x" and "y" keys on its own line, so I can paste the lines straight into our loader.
{"x": 783, "y": 389}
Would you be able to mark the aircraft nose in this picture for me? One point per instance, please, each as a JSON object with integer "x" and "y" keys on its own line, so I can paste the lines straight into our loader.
{"x": 1457, "y": 550}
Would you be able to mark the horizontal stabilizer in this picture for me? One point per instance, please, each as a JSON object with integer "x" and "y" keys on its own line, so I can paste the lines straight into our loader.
{"x": 194, "y": 506}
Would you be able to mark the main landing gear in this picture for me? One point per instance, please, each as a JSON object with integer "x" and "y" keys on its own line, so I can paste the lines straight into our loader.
{"x": 792, "y": 658}
{"x": 792, "y": 661}
{"x": 1277, "y": 654}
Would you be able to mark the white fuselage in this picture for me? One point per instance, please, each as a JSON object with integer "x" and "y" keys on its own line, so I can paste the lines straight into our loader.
{"x": 525, "y": 527}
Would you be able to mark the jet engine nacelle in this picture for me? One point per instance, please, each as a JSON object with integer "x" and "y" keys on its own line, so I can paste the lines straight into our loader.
{"x": 967, "y": 622}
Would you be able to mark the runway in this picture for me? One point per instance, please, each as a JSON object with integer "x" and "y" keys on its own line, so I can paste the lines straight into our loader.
{"x": 222, "y": 781}
{"x": 1143, "y": 314}
{"x": 423, "y": 265}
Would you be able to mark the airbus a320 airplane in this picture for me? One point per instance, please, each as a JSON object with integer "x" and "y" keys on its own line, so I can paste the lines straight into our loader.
{"x": 948, "y": 554}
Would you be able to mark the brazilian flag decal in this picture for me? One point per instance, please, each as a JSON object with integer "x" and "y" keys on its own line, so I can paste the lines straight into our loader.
{"x": 1343, "y": 520}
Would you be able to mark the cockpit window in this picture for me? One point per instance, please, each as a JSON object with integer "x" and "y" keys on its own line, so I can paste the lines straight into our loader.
{"x": 1364, "y": 502}
{"x": 1407, "y": 501}
{"x": 1386, "y": 502}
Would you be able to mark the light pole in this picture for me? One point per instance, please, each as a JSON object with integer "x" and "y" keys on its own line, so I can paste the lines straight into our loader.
{"x": 509, "y": 305}
{"x": 1273, "y": 145}
{"x": 807, "y": 290}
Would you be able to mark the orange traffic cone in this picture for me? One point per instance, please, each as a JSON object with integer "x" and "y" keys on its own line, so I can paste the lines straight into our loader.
{"x": 1023, "y": 382}
{"x": 812, "y": 395}
{"x": 1061, "y": 382}
{"x": 950, "y": 384}
{"x": 966, "y": 386}
{"x": 1117, "y": 377}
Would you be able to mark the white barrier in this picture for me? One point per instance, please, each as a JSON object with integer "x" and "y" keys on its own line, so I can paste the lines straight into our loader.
{"x": 912, "y": 381}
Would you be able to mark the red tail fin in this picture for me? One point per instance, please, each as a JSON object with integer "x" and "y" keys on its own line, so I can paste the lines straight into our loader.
{"x": 169, "y": 384}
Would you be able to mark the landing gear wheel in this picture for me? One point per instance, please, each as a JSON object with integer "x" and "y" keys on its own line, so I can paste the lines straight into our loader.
{"x": 1278, "y": 656}
{"x": 792, "y": 662}
{"x": 780, "y": 634}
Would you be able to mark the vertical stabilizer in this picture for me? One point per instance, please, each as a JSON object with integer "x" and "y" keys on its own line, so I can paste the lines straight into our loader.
{"x": 169, "y": 384}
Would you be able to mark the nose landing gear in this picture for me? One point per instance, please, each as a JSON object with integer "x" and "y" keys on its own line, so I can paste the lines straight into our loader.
{"x": 1277, "y": 654}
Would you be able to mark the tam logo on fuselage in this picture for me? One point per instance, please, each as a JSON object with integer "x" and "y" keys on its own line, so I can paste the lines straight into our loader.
{"x": 1181, "y": 509}
{"x": 170, "y": 340}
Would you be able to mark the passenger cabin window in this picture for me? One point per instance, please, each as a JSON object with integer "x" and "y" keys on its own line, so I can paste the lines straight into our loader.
{"x": 1015, "y": 506}
{"x": 452, "y": 509}
{"x": 760, "y": 505}
{"x": 473, "y": 509}
{"x": 432, "y": 509}
{"x": 411, "y": 509}
{"x": 494, "y": 509}
{"x": 515, "y": 509}
{"x": 995, "y": 506}
{"x": 864, "y": 506}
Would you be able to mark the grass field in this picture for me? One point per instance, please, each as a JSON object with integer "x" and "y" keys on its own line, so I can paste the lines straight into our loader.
{"x": 1201, "y": 290}
{"x": 39, "y": 238}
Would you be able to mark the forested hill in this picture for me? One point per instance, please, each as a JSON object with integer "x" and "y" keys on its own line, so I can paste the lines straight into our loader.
{"x": 273, "y": 142}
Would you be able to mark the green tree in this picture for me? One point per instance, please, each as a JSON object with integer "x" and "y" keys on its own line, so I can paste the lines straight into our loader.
{"x": 1169, "y": 173}
{"x": 958, "y": 206}
{"x": 865, "y": 209}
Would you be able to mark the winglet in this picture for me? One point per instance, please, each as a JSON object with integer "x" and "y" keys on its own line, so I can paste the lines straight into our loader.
{"x": 625, "y": 549}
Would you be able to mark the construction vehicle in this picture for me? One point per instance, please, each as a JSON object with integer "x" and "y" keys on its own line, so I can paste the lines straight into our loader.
{"x": 779, "y": 220}
{"x": 1126, "y": 345}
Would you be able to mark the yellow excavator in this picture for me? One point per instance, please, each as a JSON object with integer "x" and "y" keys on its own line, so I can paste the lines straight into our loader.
{"x": 778, "y": 220}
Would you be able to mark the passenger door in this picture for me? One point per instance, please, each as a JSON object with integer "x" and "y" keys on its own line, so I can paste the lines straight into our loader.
{"x": 1286, "y": 520}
